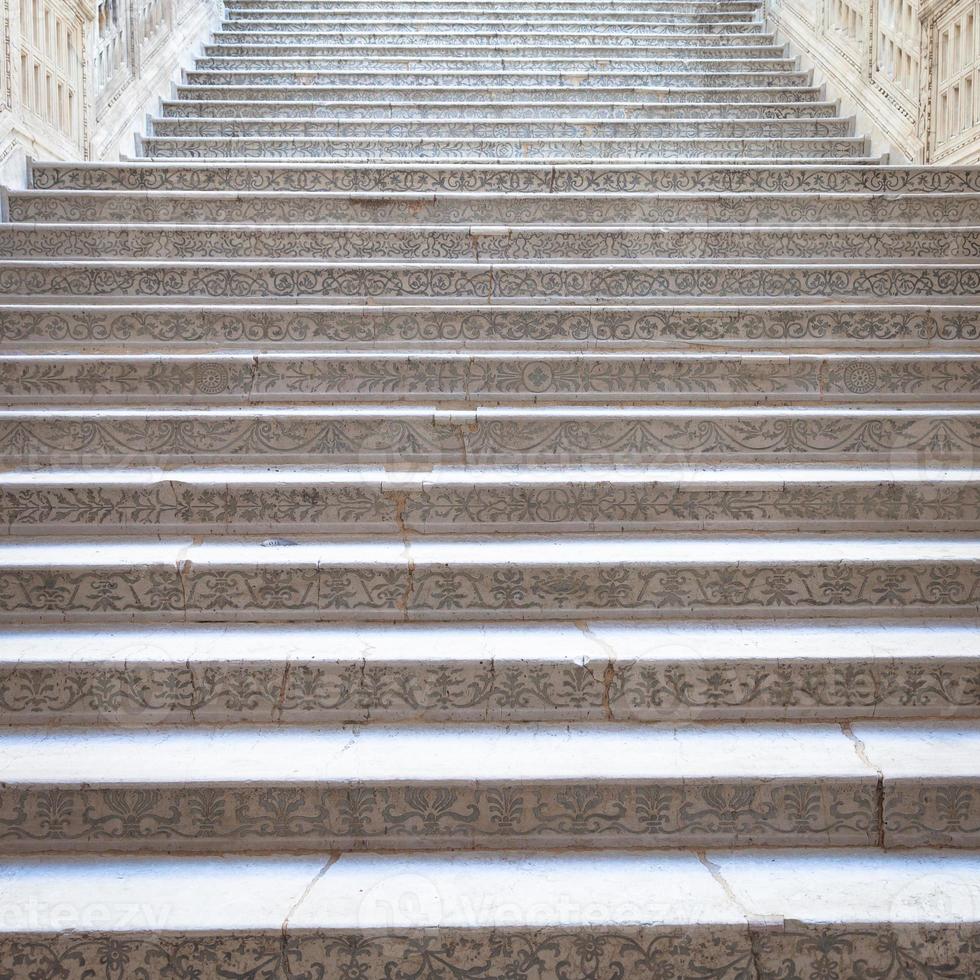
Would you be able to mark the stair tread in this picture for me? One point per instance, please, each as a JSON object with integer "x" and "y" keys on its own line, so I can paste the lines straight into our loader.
{"x": 284, "y": 476}
{"x": 477, "y": 754}
{"x": 482, "y": 266}
{"x": 595, "y": 643}
{"x": 332, "y": 893}
{"x": 761, "y": 356}
{"x": 464, "y": 417}
{"x": 474, "y": 550}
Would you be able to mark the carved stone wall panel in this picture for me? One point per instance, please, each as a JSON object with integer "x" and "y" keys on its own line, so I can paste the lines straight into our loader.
{"x": 76, "y": 73}
{"x": 895, "y": 52}
{"x": 51, "y": 48}
{"x": 910, "y": 69}
{"x": 956, "y": 100}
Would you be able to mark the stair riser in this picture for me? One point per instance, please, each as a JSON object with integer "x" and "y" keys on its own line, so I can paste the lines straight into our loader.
{"x": 202, "y": 108}
{"x": 613, "y": 328}
{"x": 662, "y": 814}
{"x": 626, "y": 21}
{"x": 581, "y": 13}
{"x": 529, "y": 178}
{"x": 465, "y": 439}
{"x": 576, "y": 100}
{"x": 536, "y": 40}
{"x": 80, "y": 691}
{"x": 43, "y": 206}
{"x": 515, "y": 77}
{"x": 550, "y": 63}
{"x": 404, "y": 379}
{"x": 504, "y": 130}
{"x": 583, "y": 10}
{"x": 340, "y": 149}
{"x": 460, "y": 7}
{"x": 358, "y": 32}
{"x": 406, "y": 816}
{"x": 304, "y": 591}
{"x": 473, "y": 282}
{"x": 183, "y": 507}
{"x": 288, "y": 31}
{"x": 231, "y": 242}
{"x": 692, "y": 950}
{"x": 494, "y": 49}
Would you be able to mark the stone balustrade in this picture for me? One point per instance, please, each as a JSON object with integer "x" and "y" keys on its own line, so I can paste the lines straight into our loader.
{"x": 78, "y": 76}
{"x": 909, "y": 69}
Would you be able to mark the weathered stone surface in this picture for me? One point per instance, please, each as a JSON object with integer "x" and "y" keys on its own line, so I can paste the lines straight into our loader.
{"x": 472, "y": 437}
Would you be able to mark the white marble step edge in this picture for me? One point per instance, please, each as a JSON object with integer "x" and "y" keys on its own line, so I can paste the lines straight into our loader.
{"x": 880, "y": 641}
{"x": 574, "y": 119}
{"x": 570, "y": 551}
{"x": 347, "y": 893}
{"x": 466, "y": 417}
{"x": 245, "y": 755}
{"x": 506, "y": 230}
{"x": 713, "y": 161}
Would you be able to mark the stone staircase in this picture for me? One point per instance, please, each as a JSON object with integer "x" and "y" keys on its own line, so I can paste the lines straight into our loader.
{"x": 491, "y": 493}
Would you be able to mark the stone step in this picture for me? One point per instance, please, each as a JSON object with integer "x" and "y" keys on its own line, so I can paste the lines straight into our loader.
{"x": 895, "y": 280}
{"x": 580, "y": 11}
{"x": 420, "y": 436}
{"x": 406, "y": 149}
{"x": 292, "y": 34}
{"x": 664, "y": 59}
{"x": 582, "y": 8}
{"x": 360, "y": 7}
{"x": 483, "y": 378}
{"x": 358, "y": 29}
{"x": 558, "y": 672}
{"x": 625, "y": 21}
{"x": 762, "y": 912}
{"x": 487, "y": 786}
{"x": 483, "y": 65}
{"x": 485, "y": 578}
{"x": 576, "y": 99}
{"x": 488, "y": 78}
{"x": 471, "y": 113}
{"x": 512, "y": 177}
{"x": 124, "y": 327}
{"x": 428, "y": 49}
{"x": 504, "y": 129}
{"x": 585, "y": 501}
{"x": 338, "y": 207}
{"x": 593, "y": 244}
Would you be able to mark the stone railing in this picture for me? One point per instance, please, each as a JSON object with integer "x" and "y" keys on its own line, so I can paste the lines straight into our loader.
{"x": 908, "y": 69}
{"x": 78, "y": 76}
